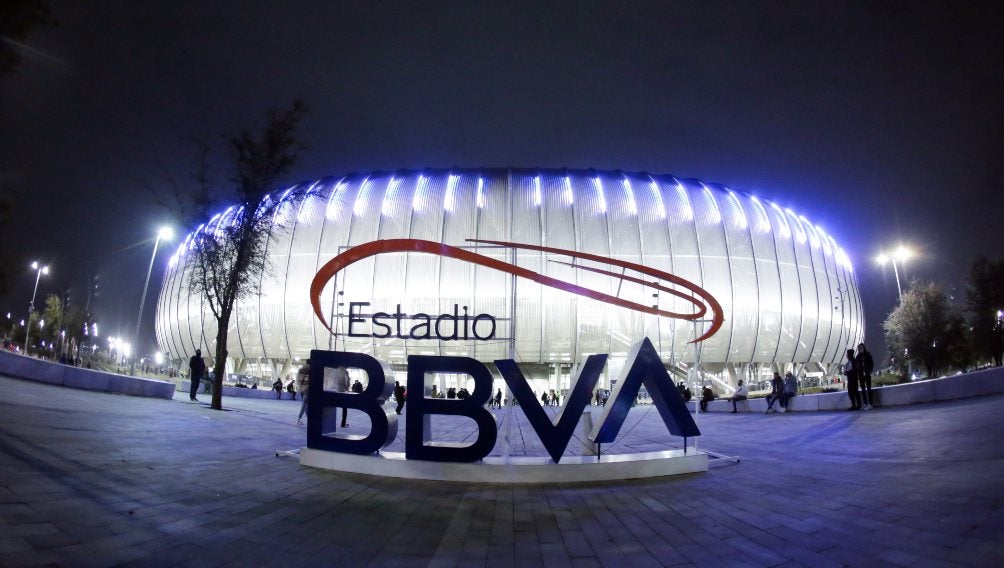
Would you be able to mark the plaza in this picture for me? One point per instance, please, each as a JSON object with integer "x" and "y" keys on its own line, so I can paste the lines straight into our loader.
{"x": 96, "y": 479}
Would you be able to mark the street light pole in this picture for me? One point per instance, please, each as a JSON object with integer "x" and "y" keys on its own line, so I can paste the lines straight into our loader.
{"x": 31, "y": 305}
{"x": 898, "y": 287}
{"x": 901, "y": 255}
{"x": 164, "y": 233}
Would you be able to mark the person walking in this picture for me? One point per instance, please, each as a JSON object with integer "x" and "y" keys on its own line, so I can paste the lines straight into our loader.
{"x": 398, "y": 396}
{"x": 302, "y": 386}
{"x": 198, "y": 368}
{"x": 851, "y": 372}
{"x": 865, "y": 364}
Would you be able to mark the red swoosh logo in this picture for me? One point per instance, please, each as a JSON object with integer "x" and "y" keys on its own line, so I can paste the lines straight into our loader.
{"x": 700, "y": 298}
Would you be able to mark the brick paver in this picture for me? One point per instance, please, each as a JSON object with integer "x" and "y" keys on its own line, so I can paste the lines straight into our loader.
{"x": 92, "y": 479}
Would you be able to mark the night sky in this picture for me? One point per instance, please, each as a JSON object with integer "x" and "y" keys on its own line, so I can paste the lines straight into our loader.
{"x": 880, "y": 121}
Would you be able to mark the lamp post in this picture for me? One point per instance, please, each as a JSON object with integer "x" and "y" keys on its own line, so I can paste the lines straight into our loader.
{"x": 901, "y": 254}
{"x": 31, "y": 305}
{"x": 164, "y": 233}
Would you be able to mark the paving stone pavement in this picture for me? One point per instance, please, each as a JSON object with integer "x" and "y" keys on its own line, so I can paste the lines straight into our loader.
{"x": 91, "y": 479}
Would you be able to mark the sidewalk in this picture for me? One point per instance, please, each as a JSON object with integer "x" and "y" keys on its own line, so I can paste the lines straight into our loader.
{"x": 94, "y": 479}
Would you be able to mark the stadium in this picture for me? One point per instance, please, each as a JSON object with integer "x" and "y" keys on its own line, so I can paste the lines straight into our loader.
{"x": 566, "y": 263}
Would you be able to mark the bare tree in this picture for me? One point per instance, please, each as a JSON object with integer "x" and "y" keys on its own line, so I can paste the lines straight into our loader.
{"x": 227, "y": 257}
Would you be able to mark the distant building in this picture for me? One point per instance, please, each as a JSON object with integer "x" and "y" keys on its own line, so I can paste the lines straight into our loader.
{"x": 788, "y": 293}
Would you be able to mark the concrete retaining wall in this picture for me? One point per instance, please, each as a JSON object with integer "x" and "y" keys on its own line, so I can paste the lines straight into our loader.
{"x": 37, "y": 370}
{"x": 238, "y": 392}
{"x": 977, "y": 383}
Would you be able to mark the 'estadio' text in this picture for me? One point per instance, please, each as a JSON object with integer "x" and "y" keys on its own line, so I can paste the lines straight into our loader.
{"x": 446, "y": 327}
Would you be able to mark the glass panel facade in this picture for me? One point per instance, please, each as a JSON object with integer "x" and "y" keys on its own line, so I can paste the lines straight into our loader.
{"x": 787, "y": 291}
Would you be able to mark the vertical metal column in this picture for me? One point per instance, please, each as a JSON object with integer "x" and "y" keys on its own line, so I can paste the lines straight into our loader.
{"x": 506, "y": 438}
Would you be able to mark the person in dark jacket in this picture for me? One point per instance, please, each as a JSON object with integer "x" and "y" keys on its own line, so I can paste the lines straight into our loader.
{"x": 790, "y": 390}
{"x": 776, "y": 392}
{"x": 399, "y": 396}
{"x": 851, "y": 372}
{"x": 865, "y": 364}
{"x": 198, "y": 368}
{"x": 707, "y": 395}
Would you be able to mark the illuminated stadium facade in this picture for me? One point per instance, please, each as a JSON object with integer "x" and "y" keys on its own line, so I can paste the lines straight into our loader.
{"x": 787, "y": 293}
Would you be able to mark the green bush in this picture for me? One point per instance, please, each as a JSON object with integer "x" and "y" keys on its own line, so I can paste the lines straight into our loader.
{"x": 820, "y": 390}
{"x": 886, "y": 379}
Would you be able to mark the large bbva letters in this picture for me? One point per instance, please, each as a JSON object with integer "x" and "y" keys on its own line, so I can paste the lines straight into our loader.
{"x": 642, "y": 367}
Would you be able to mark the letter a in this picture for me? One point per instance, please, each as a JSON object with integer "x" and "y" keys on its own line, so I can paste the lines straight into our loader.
{"x": 644, "y": 367}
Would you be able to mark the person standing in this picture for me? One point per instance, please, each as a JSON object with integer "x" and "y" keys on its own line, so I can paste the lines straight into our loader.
{"x": 343, "y": 384}
{"x": 198, "y": 368}
{"x": 851, "y": 372}
{"x": 302, "y": 386}
{"x": 398, "y": 396}
{"x": 865, "y": 364}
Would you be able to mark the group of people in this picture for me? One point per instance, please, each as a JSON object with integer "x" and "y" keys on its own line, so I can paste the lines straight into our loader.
{"x": 602, "y": 395}
{"x": 291, "y": 388}
{"x": 858, "y": 372}
{"x": 781, "y": 391}
{"x": 461, "y": 394}
{"x": 549, "y": 399}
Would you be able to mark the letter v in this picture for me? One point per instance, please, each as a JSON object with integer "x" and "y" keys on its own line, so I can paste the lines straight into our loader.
{"x": 554, "y": 437}
{"x": 643, "y": 366}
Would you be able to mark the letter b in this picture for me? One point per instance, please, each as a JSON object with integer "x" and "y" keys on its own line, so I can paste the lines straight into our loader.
{"x": 418, "y": 443}
{"x": 323, "y": 405}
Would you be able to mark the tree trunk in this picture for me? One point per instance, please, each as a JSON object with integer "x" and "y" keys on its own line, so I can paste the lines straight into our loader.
{"x": 220, "y": 362}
